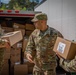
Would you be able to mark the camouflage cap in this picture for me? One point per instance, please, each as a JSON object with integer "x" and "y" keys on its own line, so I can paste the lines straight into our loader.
{"x": 39, "y": 16}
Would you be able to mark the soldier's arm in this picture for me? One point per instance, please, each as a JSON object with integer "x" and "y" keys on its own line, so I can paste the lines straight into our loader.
{"x": 30, "y": 45}
{"x": 68, "y": 66}
{"x": 59, "y": 34}
{"x": 29, "y": 48}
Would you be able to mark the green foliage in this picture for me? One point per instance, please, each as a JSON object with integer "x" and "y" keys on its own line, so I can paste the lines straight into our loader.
{"x": 3, "y": 7}
{"x": 19, "y": 5}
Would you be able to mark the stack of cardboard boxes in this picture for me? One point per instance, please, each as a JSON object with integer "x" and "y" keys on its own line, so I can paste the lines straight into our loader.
{"x": 29, "y": 29}
{"x": 4, "y": 59}
{"x": 17, "y": 38}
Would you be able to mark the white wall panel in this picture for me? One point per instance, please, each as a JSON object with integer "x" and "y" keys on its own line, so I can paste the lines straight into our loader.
{"x": 54, "y": 17}
{"x": 69, "y": 19}
{"x": 43, "y": 7}
{"x": 61, "y": 16}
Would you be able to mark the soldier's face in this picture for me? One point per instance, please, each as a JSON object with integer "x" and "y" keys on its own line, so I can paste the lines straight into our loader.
{"x": 38, "y": 25}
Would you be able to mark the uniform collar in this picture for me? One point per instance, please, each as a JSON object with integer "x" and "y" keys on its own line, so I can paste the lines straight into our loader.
{"x": 45, "y": 32}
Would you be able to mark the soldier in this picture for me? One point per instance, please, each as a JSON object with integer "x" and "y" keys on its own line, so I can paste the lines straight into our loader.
{"x": 41, "y": 42}
{"x": 3, "y": 46}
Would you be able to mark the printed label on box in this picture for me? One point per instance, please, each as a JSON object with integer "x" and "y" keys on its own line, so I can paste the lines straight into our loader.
{"x": 61, "y": 47}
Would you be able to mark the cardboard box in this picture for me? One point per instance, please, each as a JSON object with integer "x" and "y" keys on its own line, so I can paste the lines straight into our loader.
{"x": 16, "y": 51}
{"x": 65, "y": 48}
{"x": 3, "y": 24}
{"x": 15, "y": 58}
{"x": 5, "y": 68}
{"x": 5, "y": 72}
{"x": 17, "y": 25}
{"x": 13, "y": 37}
{"x": 21, "y": 69}
{"x": 25, "y": 41}
{"x": 30, "y": 27}
{"x": 30, "y": 66}
{"x": 6, "y": 56}
{"x": 22, "y": 30}
{"x": 7, "y": 50}
{"x": 17, "y": 45}
{"x": 7, "y": 29}
{"x": 28, "y": 32}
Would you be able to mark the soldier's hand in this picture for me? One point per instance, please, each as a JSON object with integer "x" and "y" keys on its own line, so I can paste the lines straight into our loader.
{"x": 29, "y": 57}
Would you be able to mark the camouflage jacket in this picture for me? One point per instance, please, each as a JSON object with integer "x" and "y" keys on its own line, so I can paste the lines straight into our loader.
{"x": 2, "y": 51}
{"x": 43, "y": 44}
{"x": 69, "y": 66}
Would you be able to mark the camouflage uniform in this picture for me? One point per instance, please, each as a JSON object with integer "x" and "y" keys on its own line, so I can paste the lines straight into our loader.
{"x": 1, "y": 57}
{"x": 45, "y": 58}
{"x": 2, "y": 51}
{"x": 69, "y": 66}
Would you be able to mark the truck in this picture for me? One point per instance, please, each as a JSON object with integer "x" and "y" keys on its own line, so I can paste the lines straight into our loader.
{"x": 9, "y": 18}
